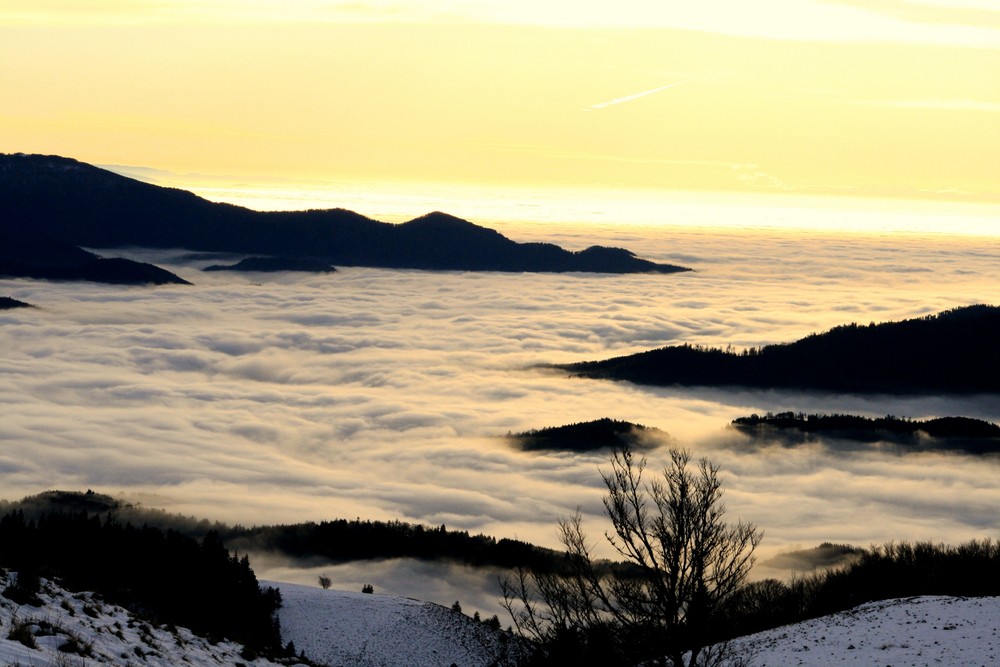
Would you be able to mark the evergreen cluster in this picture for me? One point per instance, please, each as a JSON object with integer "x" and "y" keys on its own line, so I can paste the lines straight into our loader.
{"x": 342, "y": 540}
{"x": 163, "y": 575}
{"x": 586, "y": 436}
{"x": 961, "y": 433}
{"x": 889, "y": 571}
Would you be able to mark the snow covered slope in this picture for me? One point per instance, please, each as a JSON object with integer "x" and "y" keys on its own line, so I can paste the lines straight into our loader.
{"x": 917, "y": 632}
{"x": 341, "y": 628}
{"x": 70, "y": 629}
{"x": 367, "y": 630}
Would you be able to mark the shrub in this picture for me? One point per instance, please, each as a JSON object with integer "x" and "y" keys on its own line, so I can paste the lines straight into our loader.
{"x": 21, "y": 632}
{"x": 25, "y": 589}
{"x": 74, "y": 644}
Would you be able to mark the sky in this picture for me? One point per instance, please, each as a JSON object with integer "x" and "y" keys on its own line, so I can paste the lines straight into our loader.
{"x": 887, "y": 98}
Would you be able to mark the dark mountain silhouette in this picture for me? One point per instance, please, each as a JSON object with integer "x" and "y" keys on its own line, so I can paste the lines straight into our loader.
{"x": 7, "y": 303}
{"x": 943, "y": 433}
{"x": 271, "y": 264}
{"x": 955, "y": 351}
{"x": 29, "y": 257}
{"x": 588, "y": 436}
{"x": 83, "y": 205}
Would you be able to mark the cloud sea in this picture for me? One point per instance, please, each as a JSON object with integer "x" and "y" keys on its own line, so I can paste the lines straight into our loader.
{"x": 383, "y": 394}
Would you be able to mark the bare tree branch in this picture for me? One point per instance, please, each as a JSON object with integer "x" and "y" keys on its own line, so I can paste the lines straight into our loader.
{"x": 683, "y": 564}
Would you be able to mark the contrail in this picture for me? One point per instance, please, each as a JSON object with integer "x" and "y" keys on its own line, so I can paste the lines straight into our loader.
{"x": 634, "y": 96}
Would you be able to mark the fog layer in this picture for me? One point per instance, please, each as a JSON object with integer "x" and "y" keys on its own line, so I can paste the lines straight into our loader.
{"x": 379, "y": 394}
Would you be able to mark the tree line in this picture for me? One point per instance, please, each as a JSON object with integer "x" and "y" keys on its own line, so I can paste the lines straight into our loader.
{"x": 953, "y": 351}
{"x": 343, "y": 540}
{"x": 337, "y": 540}
{"x": 161, "y": 574}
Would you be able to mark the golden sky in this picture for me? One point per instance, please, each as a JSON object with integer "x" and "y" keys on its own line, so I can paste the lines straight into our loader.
{"x": 864, "y": 97}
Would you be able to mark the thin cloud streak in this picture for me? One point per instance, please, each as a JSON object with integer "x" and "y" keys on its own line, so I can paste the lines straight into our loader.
{"x": 634, "y": 96}
{"x": 935, "y": 104}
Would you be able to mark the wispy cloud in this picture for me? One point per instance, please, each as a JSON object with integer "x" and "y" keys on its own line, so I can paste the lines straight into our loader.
{"x": 973, "y": 13}
{"x": 633, "y": 96}
{"x": 936, "y": 104}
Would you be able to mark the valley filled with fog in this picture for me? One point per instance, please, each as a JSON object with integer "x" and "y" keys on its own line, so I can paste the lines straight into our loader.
{"x": 383, "y": 394}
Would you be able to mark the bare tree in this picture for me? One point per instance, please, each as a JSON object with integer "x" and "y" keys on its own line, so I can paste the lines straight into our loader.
{"x": 325, "y": 581}
{"x": 683, "y": 564}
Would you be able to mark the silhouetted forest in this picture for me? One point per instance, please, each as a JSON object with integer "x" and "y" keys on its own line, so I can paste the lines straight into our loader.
{"x": 339, "y": 540}
{"x": 889, "y": 571}
{"x": 62, "y": 199}
{"x": 588, "y": 436}
{"x": 344, "y": 540}
{"x": 893, "y": 570}
{"x": 958, "y": 433}
{"x": 162, "y": 574}
{"x": 7, "y": 303}
{"x": 955, "y": 351}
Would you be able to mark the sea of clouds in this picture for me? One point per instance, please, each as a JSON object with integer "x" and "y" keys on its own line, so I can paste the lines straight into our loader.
{"x": 383, "y": 394}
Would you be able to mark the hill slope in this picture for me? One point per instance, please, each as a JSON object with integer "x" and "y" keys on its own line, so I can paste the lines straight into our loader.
{"x": 954, "y": 351}
{"x": 917, "y": 632}
{"x": 65, "y": 628}
{"x": 365, "y": 630}
{"x": 77, "y": 203}
{"x": 29, "y": 257}
{"x": 340, "y": 628}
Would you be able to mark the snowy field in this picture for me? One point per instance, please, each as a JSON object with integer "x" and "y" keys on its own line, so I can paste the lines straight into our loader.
{"x": 340, "y": 628}
{"x": 909, "y": 632}
{"x": 353, "y": 629}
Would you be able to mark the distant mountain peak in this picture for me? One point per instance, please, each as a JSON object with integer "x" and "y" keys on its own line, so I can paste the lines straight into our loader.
{"x": 83, "y": 205}
{"x": 440, "y": 216}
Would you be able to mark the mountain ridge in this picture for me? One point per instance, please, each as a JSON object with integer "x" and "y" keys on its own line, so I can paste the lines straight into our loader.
{"x": 25, "y": 256}
{"x": 951, "y": 351}
{"x": 74, "y": 202}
